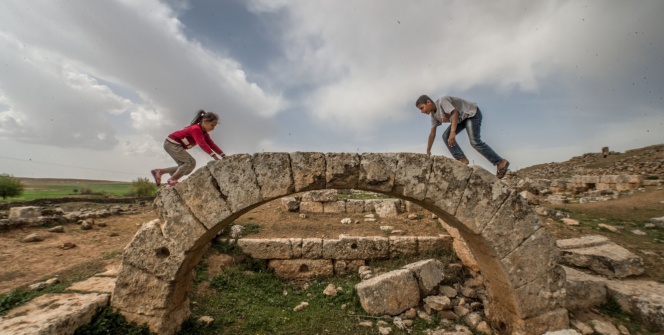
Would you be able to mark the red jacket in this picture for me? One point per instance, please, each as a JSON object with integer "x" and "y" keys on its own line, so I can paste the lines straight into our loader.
{"x": 192, "y": 135}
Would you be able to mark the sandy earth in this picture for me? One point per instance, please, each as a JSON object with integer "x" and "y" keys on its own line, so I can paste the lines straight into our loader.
{"x": 26, "y": 263}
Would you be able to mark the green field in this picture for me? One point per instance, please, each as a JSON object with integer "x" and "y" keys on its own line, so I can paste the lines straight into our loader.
{"x": 58, "y": 188}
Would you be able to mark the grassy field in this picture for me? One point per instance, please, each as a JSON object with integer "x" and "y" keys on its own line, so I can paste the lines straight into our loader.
{"x": 58, "y": 188}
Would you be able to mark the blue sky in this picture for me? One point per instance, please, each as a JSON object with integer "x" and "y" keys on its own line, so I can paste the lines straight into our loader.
{"x": 90, "y": 89}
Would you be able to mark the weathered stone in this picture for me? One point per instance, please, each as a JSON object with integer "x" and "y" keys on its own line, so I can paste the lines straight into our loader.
{"x": 608, "y": 259}
{"x": 386, "y": 209}
{"x": 237, "y": 181}
{"x": 308, "y": 170}
{"x": 354, "y": 206}
{"x": 94, "y": 284}
{"x": 301, "y": 268}
{"x": 342, "y": 170}
{"x": 345, "y": 266}
{"x": 296, "y": 247}
{"x": 434, "y": 244}
{"x": 291, "y": 204}
{"x": 582, "y": 242}
{"x": 581, "y": 327}
{"x": 543, "y": 293}
{"x": 403, "y": 246}
{"x": 390, "y": 293}
{"x": 53, "y": 314}
{"x": 312, "y": 248}
{"x": 203, "y": 198}
{"x": 529, "y": 197}
{"x": 311, "y": 207}
{"x": 604, "y": 327}
{"x": 26, "y": 212}
{"x": 279, "y": 248}
{"x": 273, "y": 174}
{"x": 429, "y": 274}
{"x": 180, "y": 227}
{"x": 552, "y": 320}
{"x": 349, "y": 247}
{"x": 412, "y": 175}
{"x": 413, "y": 207}
{"x": 447, "y": 291}
{"x": 484, "y": 191}
{"x": 438, "y": 302}
{"x": 519, "y": 263}
{"x": 377, "y": 172}
{"x": 321, "y": 195}
{"x": 583, "y": 291}
{"x": 514, "y": 222}
{"x": 643, "y": 299}
{"x": 35, "y": 237}
{"x": 447, "y": 182}
{"x": 334, "y": 207}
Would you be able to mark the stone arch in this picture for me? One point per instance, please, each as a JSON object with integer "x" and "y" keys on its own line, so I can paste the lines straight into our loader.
{"x": 516, "y": 255}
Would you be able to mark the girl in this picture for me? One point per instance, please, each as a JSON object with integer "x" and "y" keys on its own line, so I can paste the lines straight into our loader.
{"x": 177, "y": 143}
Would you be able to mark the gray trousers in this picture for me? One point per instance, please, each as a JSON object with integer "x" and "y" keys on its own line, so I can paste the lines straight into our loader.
{"x": 186, "y": 162}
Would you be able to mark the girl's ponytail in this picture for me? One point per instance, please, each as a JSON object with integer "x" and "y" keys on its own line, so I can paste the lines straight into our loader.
{"x": 198, "y": 118}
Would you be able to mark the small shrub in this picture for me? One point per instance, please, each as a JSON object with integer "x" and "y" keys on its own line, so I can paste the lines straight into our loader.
{"x": 86, "y": 191}
{"x": 142, "y": 187}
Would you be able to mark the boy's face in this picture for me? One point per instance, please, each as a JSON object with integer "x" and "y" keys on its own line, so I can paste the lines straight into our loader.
{"x": 427, "y": 108}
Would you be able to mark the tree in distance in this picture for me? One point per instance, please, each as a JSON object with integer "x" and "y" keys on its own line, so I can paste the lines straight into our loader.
{"x": 10, "y": 186}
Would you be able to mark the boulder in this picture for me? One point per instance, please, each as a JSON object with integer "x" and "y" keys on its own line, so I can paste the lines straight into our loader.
{"x": 643, "y": 299}
{"x": 600, "y": 255}
{"x": 583, "y": 290}
{"x": 390, "y": 293}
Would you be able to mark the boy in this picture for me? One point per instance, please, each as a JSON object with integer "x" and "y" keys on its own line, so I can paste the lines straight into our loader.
{"x": 462, "y": 114}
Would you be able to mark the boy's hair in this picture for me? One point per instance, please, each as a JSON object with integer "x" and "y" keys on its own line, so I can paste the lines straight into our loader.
{"x": 422, "y": 100}
{"x": 202, "y": 115}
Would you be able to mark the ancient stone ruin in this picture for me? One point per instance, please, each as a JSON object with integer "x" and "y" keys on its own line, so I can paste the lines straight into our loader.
{"x": 516, "y": 255}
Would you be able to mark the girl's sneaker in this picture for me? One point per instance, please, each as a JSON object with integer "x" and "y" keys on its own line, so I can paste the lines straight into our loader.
{"x": 156, "y": 173}
{"x": 172, "y": 181}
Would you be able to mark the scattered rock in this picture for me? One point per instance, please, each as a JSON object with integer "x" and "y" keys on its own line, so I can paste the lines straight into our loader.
{"x": 608, "y": 227}
{"x": 570, "y": 222}
{"x": 301, "y": 306}
{"x": 638, "y": 232}
{"x": 604, "y": 327}
{"x": 57, "y": 229}
{"x": 330, "y": 291}
{"x": 412, "y": 216}
{"x": 384, "y": 330}
{"x": 236, "y": 231}
{"x": 346, "y": 221}
{"x": 67, "y": 245}
{"x": 33, "y": 238}
{"x": 368, "y": 324}
{"x": 206, "y": 320}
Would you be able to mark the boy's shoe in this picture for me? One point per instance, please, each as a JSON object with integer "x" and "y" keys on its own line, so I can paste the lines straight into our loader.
{"x": 157, "y": 176}
{"x": 172, "y": 181}
{"x": 502, "y": 171}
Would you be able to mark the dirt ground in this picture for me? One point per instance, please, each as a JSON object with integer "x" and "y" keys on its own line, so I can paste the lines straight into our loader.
{"x": 27, "y": 263}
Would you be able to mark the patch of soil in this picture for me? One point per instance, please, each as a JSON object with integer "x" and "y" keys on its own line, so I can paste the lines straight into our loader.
{"x": 26, "y": 263}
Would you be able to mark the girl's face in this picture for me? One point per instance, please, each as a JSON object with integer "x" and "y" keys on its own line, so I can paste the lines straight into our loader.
{"x": 208, "y": 126}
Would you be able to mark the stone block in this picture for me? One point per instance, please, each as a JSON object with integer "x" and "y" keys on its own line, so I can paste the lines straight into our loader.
{"x": 519, "y": 264}
{"x": 278, "y": 248}
{"x": 237, "y": 181}
{"x": 296, "y": 247}
{"x": 355, "y": 206}
{"x": 350, "y": 247}
{"x": 643, "y": 299}
{"x": 386, "y": 209}
{"x": 582, "y": 242}
{"x": 301, "y": 268}
{"x": 312, "y": 248}
{"x": 334, "y": 207}
{"x": 311, "y": 207}
{"x": 273, "y": 174}
{"x": 608, "y": 259}
{"x": 583, "y": 290}
{"x": 94, "y": 284}
{"x": 412, "y": 175}
{"x": 390, "y": 293}
{"x": 53, "y": 314}
{"x": 204, "y": 200}
{"x": 342, "y": 170}
{"x": 321, "y": 195}
{"x": 550, "y": 321}
{"x": 377, "y": 172}
{"x": 544, "y": 293}
{"x": 413, "y": 207}
{"x": 429, "y": 274}
{"x": 447, "y": 182}
{"x": 308, "y": 170}
{"x": 26, "y": 212}
{"x": 290, "y": 204}
{"x": 514, "y": 222}
{"x": 403, "y": 246}
{"x": 434, "y": 244}
{"x": 484, "y": 191}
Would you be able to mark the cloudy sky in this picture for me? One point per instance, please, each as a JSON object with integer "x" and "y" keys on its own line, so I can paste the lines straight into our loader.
{"x": 90, "y": 89}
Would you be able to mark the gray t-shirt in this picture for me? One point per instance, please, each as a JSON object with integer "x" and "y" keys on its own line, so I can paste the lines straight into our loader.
{"x": 445, "y": 106}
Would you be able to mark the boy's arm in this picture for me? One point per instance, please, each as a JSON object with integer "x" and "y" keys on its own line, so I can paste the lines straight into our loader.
{"x": 454, "y": 120}
{"x": 432, "y": 137}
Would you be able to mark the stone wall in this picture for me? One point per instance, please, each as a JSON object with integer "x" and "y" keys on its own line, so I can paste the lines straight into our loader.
{"x": 306, "y": 257}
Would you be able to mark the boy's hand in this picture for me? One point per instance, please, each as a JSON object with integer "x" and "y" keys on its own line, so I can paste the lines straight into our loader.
{"x": 451, "y": 141}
